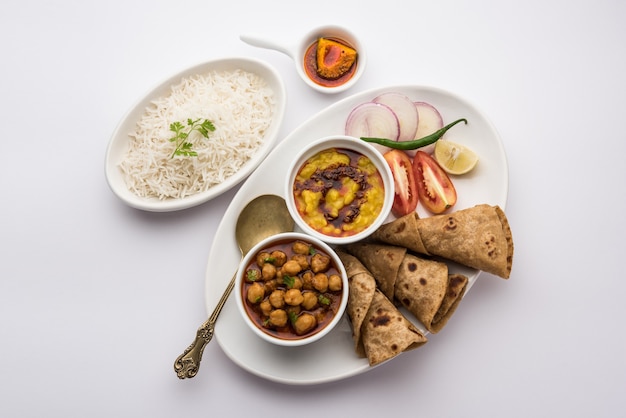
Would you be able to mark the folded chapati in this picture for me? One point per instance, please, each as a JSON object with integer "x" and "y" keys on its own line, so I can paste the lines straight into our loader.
{"x": 380, "y": 331}
{"x": 478, "y": 237}
{"x": 457, "y": 283}
{"x": 383, "y": 261}
{"x": 386, "y": 332}
{"x": 402, "y": 232}
{"x": 361, "y": 288}
{"x": 422, "y": 286}
{"x": 425, "y": 289}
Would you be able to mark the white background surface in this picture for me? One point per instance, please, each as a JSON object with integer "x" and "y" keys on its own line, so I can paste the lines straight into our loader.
{"x": 98, "y": 299}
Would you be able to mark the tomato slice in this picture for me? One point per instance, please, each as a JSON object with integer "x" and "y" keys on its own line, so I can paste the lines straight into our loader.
{"x": 434, "y": 187}
{"x": 406, "y": 198}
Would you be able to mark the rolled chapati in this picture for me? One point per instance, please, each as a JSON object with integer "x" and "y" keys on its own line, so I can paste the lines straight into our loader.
{"x": 478, "y": 237}
{"x": 380, "y": 331}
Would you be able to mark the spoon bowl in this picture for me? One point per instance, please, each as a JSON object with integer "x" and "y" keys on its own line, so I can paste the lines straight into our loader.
{"x": 264, "y": 216}
{"x": 297, "y": 51}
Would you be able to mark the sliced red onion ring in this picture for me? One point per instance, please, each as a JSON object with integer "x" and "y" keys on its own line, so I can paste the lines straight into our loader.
{"x": 374, "y": 120}
{"x": 430, "y": 120}
{"x": 405, "y": 111}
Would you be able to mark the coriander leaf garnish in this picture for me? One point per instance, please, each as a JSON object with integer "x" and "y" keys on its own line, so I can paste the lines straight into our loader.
{"x": 184, "y": 144}
{"x": 293, "y": 317}
{"x": 252, "y": 275}
{"x": 289, "y": 281}
{"x": 323, "y": 300}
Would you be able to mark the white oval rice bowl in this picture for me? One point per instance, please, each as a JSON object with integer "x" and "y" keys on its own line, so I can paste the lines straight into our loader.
{"x": 244, "y": 98}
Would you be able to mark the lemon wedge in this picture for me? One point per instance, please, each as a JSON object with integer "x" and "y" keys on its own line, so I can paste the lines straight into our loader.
{"x": 454, "y": 158}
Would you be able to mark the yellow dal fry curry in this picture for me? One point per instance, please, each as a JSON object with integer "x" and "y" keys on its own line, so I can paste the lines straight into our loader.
{"x": 339, "y": 192}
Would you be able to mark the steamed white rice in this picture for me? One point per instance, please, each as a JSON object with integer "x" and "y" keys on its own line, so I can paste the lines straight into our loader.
{"x": 238, "y": 103}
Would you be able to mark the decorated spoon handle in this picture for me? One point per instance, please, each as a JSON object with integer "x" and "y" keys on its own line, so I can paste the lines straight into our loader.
{"x": 188, "y": 363}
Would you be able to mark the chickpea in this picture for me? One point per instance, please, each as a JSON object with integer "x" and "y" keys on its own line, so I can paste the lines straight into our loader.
{"x": 256, "y": 293}
{"x": 297, "y": 283}
{"x": 320, "y": 282}
{"x": 291, "y": 268}
{"x": 319, "y": 263}
{"x": 334, "y": 283}
{"x": 261, "y": 258}
{"x": 266, "y": 307}
{"x": 293, "y": 297}
{"x": 278, "y": 318}
{"x": 293, "y": 310}
{"x": 268, "y": 272}
{"x": 310, "y": 300}
{"x": 300, "y": 247}
{"x": 279, "y": 258}
{"x": 277, "y": 298}
{"x": 307, "y": 280}
{"x": 302, "y": 260}
{"x": 304, "y": 323}
{"x": 319, "y": 315}
{"x": 270, "y": 286}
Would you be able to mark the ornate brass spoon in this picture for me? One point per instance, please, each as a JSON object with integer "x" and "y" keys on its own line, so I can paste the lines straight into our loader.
{"x": 264, "y": 216}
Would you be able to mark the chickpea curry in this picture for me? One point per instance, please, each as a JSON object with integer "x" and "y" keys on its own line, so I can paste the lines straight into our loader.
{"x": 339, "y": 192}
{"x": 292, "y": 289}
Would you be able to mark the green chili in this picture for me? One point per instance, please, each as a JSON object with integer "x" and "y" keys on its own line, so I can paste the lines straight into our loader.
{"x": 418, "y": 143}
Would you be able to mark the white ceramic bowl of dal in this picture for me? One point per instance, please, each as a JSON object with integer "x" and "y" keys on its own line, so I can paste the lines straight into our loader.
{"x": 271, "y": 334}
{"x": 358, "y": 146}
{"x": 120, "y": 140}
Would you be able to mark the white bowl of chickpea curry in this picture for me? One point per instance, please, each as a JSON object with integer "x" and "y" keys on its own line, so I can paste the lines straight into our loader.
{"x": 291, "y": 289}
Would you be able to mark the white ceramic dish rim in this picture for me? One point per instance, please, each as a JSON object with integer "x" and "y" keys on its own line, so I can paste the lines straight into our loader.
{"x": 119, "y": 142}
{"x": 345, "y": 142}
{"x": 333, "y": 358}
{"x": 291, "y": 236}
